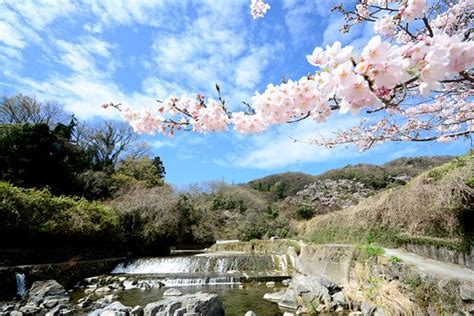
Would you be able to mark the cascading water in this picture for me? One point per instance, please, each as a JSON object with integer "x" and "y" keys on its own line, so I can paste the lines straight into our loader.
{"x": 20, "y": 284}
{"x": 209, "y": 269}
{"x": 254, "y": 264}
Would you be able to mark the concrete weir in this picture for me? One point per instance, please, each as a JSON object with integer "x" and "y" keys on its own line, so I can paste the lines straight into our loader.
{"x": 331, "y": 261}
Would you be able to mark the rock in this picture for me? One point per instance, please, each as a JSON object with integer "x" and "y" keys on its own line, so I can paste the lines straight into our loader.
{"x": 340, "y": 299}
{"x": 289, "y": 299}
{"x": 137, "y": 311}
{"x": 355, "y": 314}
{"x": 288, "y": 314}
{"x": 172, "y": 292}
{"x": 114, "y": 309}
{"x": 103, "y": 290}
{"x": 286, "y": 282}
{"x": 48, "y": 292}
{"x": 30, "y": 309}
{"x": 270, "y": 284}
{"x": 16, "y": 313}
{"x": 110, "y": 298}
{"x": 203, "y": 303}
{"x": 58, "y": 310}
{"x": 466, "y": 292}
{"x": 379, "y": 312}
{"x": 250, "y": 313}
{"x": 8, "y": 308}
{"x": 85, "y": 303}
{"x": 274, "y": 297}
{"x": 470, "y": 309}
{"x": 367, "y": 308}
{"x": 311, "y": 288}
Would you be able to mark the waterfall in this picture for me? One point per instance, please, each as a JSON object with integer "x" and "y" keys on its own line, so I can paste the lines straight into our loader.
{"x": 20, "y": 284}
{"x": 223, "y": 264}
{"x": 173, "y": 282}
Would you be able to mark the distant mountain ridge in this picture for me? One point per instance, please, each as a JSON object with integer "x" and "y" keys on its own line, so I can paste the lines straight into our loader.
{"x": 376, "y": 177}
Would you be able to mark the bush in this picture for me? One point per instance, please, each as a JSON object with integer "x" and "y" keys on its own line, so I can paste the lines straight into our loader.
{"x": 31, "y": 215}
{"x": 305, "y": 212}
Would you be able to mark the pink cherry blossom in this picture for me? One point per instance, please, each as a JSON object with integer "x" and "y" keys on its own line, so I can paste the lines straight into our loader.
{"x": 258, "y": 8}
{"x": 418, "y": 78}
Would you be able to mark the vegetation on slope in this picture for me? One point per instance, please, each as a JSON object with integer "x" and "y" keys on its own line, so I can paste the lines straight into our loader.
{"x": 435, "y": 208}
{"x": 282, "y": 185}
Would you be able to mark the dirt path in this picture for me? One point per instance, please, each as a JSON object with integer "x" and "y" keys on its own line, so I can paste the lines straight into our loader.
{"x": 431, "y": 266}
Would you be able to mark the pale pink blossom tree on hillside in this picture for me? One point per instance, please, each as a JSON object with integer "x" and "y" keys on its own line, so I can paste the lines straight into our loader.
{"x": 413, "y": 81}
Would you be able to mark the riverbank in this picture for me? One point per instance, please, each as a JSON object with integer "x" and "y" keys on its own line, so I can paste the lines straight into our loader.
{"x": 292, "y": 276}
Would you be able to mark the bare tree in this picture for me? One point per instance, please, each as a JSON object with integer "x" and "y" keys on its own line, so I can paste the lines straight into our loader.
{"x": 24, "y": 109}
{"x": 109, "y": 141}
{"x": 140, "y": 149}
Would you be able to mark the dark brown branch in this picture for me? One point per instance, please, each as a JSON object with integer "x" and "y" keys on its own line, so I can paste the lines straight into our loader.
{"x": 300, "y": 118}
{"x": 428, "y": 26}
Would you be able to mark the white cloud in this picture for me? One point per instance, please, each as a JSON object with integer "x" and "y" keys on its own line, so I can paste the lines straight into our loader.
{"x": 286, "y": 145}
{"x": 248, "y": 72}
{"x": 10, "y": 36}
{"x": 162, "y": 143}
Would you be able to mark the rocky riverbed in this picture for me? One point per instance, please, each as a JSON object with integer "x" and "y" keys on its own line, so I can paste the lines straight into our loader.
{"x": 272, "y": 278}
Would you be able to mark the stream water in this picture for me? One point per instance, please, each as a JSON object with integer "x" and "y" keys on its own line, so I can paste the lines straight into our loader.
{"x": 238, "y": 279}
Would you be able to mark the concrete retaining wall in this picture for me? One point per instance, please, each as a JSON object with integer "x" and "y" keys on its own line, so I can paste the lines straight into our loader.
{"x": 443, "y": 254}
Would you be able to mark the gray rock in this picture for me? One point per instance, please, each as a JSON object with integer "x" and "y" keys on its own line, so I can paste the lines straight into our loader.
{"x": 172, "y": 292}
{"x": 289, "y": 299}
{"x": 8, "y": 308}
{"x": 340, "y": 299}
{"x": 466, "y": 292}
{"x": 110, "y": 298}
{"x": 250, "y": 313}
{"x": 470, "y": 309}
{"x": 367, "y": 308}
{"x": 201, "y": 303}
{"x": 16, "y": 313}
{"x": 103, "y": 290}
{"x": 58, "y": 310}
{"x": 270, "y": 284}
{"x": 355, "y": 313}
{"x": 137, "y": 311}
{"x": 286, "y": 282}
{"x": 114, "y": 309}
{"x": 29, "y": 309}
{"x": 49, "y": 292}
{"x": 311, "y": 288}
{"x": 274, "y": 297}
{"x": 379, "y": 312}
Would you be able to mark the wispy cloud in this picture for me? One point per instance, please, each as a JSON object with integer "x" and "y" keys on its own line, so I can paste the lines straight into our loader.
{"x": 287, "y": 145}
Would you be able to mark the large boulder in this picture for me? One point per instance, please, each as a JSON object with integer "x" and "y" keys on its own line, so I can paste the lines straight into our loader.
{"x": 306, "y": 293}
{"x": 47, "y": 294}
{"x": 312, "y": 288}
{"x": 114, "y": 309}
{"x": 198, "y": 303}
{"x": 466, "y": 292}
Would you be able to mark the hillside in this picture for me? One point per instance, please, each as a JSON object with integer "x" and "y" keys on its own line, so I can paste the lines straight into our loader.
{"x": 374, "y": 177}
{"x": 283, "y": 184}
{"x": 434, "y": 208}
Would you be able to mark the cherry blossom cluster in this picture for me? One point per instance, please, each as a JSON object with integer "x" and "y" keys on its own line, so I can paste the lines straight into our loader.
{"x": 258, "y": 8}
{"x": 415, "y": 75}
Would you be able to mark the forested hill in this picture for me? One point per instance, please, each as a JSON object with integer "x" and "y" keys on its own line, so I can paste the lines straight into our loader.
{"x": 376, "y": 177}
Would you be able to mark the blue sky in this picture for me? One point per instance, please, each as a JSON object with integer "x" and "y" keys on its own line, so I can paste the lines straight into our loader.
{"x": 85, "y": 53}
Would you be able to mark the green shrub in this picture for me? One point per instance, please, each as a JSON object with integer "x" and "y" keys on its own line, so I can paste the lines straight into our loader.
{"x": 305, "y": 212}
{"x": 373, "y": 251}
{"x": 32, "y": 212}
{"x": 394, "y": 259}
